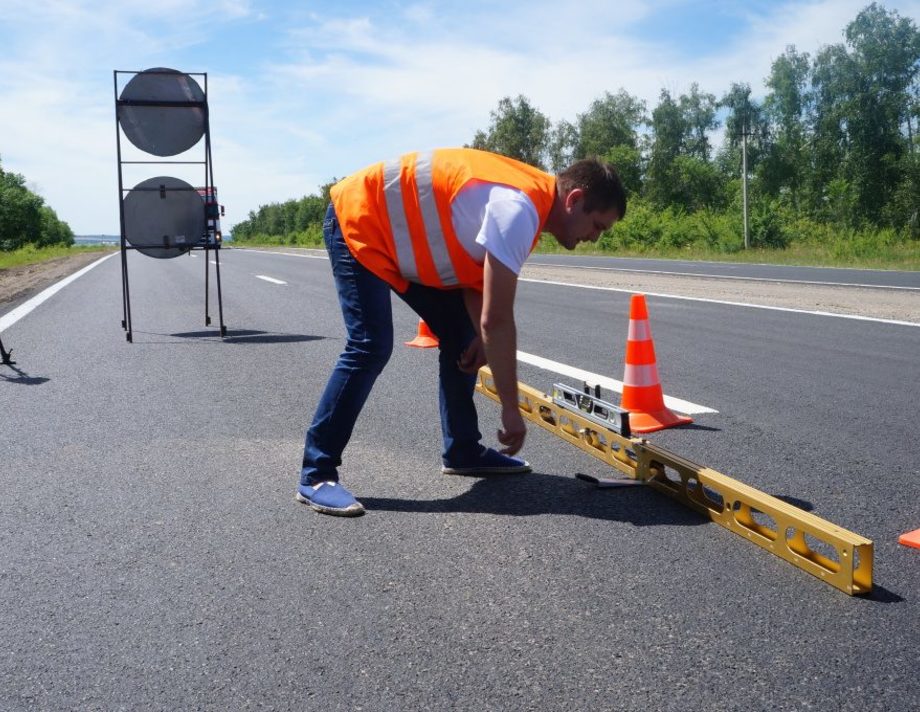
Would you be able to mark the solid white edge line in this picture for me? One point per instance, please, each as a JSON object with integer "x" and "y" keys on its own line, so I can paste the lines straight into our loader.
{"x": 857, "y": 317}
{"x": 270, "y": 279}
{"x": 612, "y": 384}
{"x": 775, "y": 280}
{"x": 11, "y": 317}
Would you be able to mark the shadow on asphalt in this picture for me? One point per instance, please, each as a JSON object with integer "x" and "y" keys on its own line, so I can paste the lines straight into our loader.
{"x": 697, "y": 426}
{"x": 251, "y": 336}
{"x": 539, "y": 493}
{"x": 22, "y": 378}
{"x": 880, "y": 594}
{"x": 234, "y": 336}
{"x": 802, "y": 504}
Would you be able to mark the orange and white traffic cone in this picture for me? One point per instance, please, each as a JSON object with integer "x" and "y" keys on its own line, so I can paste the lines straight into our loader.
{"x": 910, "y": 539}
{"x": 642, "y": 394}
{"x": 425, "y": 339}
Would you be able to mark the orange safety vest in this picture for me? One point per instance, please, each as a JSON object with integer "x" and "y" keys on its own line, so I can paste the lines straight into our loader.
{"x": 396, "y": 216}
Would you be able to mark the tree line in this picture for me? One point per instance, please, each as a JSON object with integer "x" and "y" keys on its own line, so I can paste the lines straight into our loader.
{"x": 25, "y": 219}
{"x": 831, "y": 149}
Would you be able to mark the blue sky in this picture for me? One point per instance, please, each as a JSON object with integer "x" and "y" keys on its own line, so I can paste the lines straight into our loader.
{"x": 303, "y": 92}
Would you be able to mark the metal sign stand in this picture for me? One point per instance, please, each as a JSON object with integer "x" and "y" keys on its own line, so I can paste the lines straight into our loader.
{"x": 163, "y": 112}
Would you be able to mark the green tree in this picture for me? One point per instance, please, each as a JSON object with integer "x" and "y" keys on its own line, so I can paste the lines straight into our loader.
{"x": 610, "y": 121}
{"x": 666, "y": 143}
{"x": 886, "y": 52}
{"x": 518, "y": 130}
{"x": 831, "y": 73}
{"x": 24, "y": 217}
{"x": 699, "y": 112}
{"x": 862, "y": 111}
{"x": 680, "y": 174}
{"x": 785, "y": 161}
{"x": 745, "y": 116}
{"x": 628, "y": 162}
{"x": 563, "y": 143}
{"x": 53, "y": 230}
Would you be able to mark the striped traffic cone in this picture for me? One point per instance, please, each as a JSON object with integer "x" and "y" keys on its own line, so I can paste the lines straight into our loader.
{"x": 910, "y": 539}
{"x": 425, "y": 339}
{"x": 642, "y": 394}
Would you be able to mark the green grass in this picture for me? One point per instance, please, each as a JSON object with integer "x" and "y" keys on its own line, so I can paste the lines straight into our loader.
{"x": 29, "y": 254}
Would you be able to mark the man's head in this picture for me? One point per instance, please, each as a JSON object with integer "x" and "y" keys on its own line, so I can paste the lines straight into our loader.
{"x": 590, "y": 198}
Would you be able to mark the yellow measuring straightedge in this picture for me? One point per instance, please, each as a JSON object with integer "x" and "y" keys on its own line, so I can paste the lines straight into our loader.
{"x": 833, "y": 554}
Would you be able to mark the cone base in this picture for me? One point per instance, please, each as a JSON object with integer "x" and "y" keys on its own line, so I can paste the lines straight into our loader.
{"x": 910, "y": 539}
{"x": 659, "y": 420}
{"x": 422, "y": 342}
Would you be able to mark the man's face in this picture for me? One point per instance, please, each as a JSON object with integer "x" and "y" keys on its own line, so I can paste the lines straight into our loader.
{"x": 583, "y": 226}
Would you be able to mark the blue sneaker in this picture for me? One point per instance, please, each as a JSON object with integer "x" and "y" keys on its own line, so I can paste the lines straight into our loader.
{"x": 330, "y": 498}
{"x": 488, "y": 462}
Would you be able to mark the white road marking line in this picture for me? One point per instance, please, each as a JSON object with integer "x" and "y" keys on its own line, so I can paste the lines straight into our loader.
{"x": 595, "y": 379}
{"x": 286, "y": 254}
{"x": 857, "y": 317}
{"x": 10, "y": 318}
{"x": 726, "y": 276}
{"x": 270, "y": 279}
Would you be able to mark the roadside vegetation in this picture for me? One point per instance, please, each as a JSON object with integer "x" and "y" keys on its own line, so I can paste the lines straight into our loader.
{"x": 30, "y": 254}
{"x": 831, "y": 153}
{"x": 25, "y": 220}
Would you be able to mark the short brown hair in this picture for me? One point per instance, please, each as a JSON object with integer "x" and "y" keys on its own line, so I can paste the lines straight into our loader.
{"x": 601, "y": 183}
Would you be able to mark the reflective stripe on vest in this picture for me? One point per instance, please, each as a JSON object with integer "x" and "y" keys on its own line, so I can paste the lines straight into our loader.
{"x": 434, "y": 235}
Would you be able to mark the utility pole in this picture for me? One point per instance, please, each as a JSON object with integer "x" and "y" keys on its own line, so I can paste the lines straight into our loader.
{"x": 744, "y": 178}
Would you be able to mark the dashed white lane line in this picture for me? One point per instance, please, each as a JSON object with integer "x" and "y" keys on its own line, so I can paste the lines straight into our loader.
{"x": 286, "y": 254}
{"x": 595, "y": 379}
{"x": 11, "y": 317}
{"x": 270, "y": 279}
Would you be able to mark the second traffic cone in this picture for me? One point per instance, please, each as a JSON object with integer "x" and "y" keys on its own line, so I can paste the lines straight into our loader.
{"x": 910, "y": 539}
{"x": 425, "y": 339}
{"x": 642, "y": 394}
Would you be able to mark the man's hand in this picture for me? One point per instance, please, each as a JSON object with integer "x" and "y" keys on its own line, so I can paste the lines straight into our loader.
{"x": 473, "y": 357}
{"x": 513, "y": 431}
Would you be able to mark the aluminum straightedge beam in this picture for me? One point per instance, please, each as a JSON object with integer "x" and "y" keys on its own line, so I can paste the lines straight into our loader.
{"x": 831, "y": 553}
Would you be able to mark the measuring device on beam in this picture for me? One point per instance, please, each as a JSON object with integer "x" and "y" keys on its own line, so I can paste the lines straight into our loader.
{"x": 598, "y": 411}
{"x": 831, "y": 553}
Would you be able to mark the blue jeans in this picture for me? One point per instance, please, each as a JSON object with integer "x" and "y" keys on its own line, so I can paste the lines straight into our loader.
{"x": 366, "y": 307}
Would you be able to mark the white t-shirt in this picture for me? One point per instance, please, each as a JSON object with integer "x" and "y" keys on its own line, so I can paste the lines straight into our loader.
{"x": 494, "y": 218}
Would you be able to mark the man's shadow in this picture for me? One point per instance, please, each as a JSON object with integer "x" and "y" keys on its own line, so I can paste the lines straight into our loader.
{"x": 541, "y": 493}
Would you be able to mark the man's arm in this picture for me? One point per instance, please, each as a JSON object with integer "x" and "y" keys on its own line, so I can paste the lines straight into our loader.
{"x": 499, "y": 338}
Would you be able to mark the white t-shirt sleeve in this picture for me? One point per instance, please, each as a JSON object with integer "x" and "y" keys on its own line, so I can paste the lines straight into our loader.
{"x": 495, "y": 218}
{"x": 509, "y": 227}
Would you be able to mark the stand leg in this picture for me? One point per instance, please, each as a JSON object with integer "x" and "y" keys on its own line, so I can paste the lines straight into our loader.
{"x": 7, "y": 360}
{"x": 126, "y": 293}
{"x": 207, "y": 271}
{"x": 220, "y": 300}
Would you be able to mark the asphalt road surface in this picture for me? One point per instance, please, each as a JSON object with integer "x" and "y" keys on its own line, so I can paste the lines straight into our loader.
{"x": 152, "y": 556}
